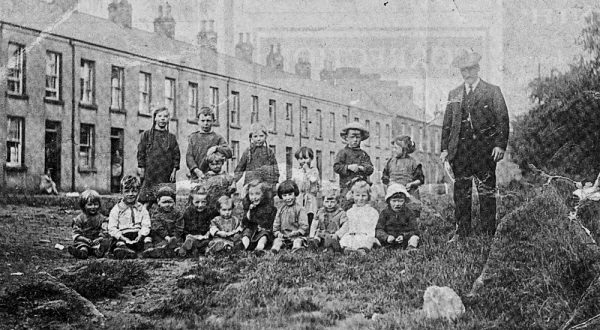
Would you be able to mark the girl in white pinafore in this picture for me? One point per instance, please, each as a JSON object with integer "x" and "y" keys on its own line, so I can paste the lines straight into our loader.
{"x": 358, "y": 233}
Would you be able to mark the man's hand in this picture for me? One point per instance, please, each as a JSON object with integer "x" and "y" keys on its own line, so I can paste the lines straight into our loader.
{"x": 199, "y": 173}
{"x": 444, "y": 155}
{"x": 141, "y": 172}
{"x": 497, "y": 154}
{"x": 390, "y": 239}
{"x": 173, "y": 175}
{"x": 353, "y": 167}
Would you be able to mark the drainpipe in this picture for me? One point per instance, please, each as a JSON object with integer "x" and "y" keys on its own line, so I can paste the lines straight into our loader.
{"x": 227, "y": 128}
{"x": 73, "y": 146}
{"x": 300, "y": 122}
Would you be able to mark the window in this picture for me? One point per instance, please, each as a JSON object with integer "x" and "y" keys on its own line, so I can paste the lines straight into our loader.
{"x": 319, "y": 124}
{"x": 332, "y": 125}
{"x": 345, "y": 119}
{"x": 331, "y": 162}
{"x": 356, "y": 119}
{"x": 235, "y": 148}
{"x": 254, "y": 113}
{"x": 145, "y": 88}
{"x": 304, "y": 114}
{"x": 15, "y": 142}
{"x": 116, "y": 88}
{"x": 235, "y": 109}
{"x": 193, "y": 101}
{"x": 214, "y": 103}
{"x": 87, "y": 82}
{"x": 388, "y": 134}
{"x": 16, "y": 69}
{"x": 289, "y": 119}
{"x": 403, "y": 132}
{"x": 368, "y": 127}
{"x": 170, "y": 95}
{"x": 289, "y": 160}
{"x": 53, "y": 75}
{"x": 86, "y": 147}
{"x": 377, "y": 164}
{"x": 421, "y": 142}
{"x": 273, "y": 115}
{"x": 378, "y": 133}
{"x": 438, "y": 145}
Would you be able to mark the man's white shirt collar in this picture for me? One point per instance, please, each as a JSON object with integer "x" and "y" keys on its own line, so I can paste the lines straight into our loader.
{"x": 473, "y": 85}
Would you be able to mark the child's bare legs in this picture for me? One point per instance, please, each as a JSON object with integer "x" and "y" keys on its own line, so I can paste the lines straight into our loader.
{"x": 262, "y": 242}
{"x": 246, "y": 242}
{"x": 277, "y": 244}
{"x": 297, "y": 244}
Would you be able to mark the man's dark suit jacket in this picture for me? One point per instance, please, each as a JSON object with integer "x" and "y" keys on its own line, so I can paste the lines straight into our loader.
{"x": 489, "y": 117}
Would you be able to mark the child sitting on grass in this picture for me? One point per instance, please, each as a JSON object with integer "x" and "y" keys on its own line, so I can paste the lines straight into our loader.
{"x": 358, "y": 233}
{"x": 218, "y": 182}
{"x": 259, "y": 214}
{"x": 397, "y": 225}
{"x": 352, "y": 162}
{"x": 291, "y": 222}
{"x": 225, "y": 228}
{"x": 196, "y": 223}
{"x": 129, "y": 221}
{"x": 90, "y": 233}
{"x": 167, "y": 225}
{"x": 328, "y": 221}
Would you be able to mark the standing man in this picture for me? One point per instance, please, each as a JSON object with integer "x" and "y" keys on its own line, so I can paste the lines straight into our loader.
{"x": 158, "y": 156}
{"x": 474, "y": 138}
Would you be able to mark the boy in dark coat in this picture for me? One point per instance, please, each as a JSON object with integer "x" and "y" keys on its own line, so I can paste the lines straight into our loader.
{"x": 397, "y": 225}
{"x": 166, "y": 225}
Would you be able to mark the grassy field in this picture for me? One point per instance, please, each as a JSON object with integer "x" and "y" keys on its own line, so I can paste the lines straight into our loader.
{"x": 529, "y": 288}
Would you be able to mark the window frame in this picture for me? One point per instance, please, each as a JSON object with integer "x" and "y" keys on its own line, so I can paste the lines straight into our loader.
{"x": 304, "y": 121}
{"x": 235, "y": 155}
{"x": 117, "y": 93}
{"x": 144, "y": 80}
{"x": 54, "y": 74}
{"x": 18, "y": 57}
{"x": 273, "y": 116}
{"x": 289, "y": 118}
{"x": 378, "y": 133}
{"x": 193, "y": 94}
{"x": 332, "y": 125}
{"x": 388, "y": 133}
{"x": 171, "y": 96}
{"x": 90, "y": 144}
{"x": 234, "y": 113}
{"x": 20, "y": 141}
{"x": 368, "y": 127}
{"x": 90, "y": 73}
{"x": 331, "y": 162}
{"x": 319, "y": 124}
{"x": 254, "y": 117}
{"x": 214, "y": 103}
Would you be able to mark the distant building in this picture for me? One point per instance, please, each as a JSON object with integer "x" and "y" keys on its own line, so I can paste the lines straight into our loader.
{"x": 78, "y": 95}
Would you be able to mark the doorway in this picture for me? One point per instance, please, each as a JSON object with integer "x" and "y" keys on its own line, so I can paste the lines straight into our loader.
{"x": 52, "y": 151}
{"x": 116, "y": 159}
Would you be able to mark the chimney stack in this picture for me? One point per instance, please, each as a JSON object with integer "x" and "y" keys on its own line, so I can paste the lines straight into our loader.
{"x": 164, "y": 24}
{"x": 207, "y": 37}
{"x": 120, "y": 12}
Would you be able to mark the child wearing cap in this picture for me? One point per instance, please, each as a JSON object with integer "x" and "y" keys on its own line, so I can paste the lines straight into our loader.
{"x": 358, "y": 233}
{"x": 258, "y": 161}
{"x": 352, "y": 161}
{"x": 403, "y": 169}
{"x": 328, "y": 220}
{"x": 166, "y": 225}
{"x": 397, "y": 224}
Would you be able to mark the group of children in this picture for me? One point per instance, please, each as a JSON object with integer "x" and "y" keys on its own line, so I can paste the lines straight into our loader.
{"x": 309, "y": 216}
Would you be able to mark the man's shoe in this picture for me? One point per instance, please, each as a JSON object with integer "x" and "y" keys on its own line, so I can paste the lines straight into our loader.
{"x": 124, "y": 253}
{"x": 77, "y": 253}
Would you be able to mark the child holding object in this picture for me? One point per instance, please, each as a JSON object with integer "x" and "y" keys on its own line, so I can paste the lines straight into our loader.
{"x": 397, "y": 225}
{"x": 352, "y": 161}
{"x": 226, "y": 229}
{"x": 358, "y": 233}
{"x": 196, "y": 223}
{"x": 291, "y": 222}
{"x": 129, "y": 221}
{"x": 329, "y": 219}
{"x": 259, "y": 214}
{"x": 90, "y": 228}
{"x": 307, "y": 179}
{"x": 403, "y": 169}
{"x": 166, "y": 225}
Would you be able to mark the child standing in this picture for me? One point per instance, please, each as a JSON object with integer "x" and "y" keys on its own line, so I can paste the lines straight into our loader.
{"x": 196, "y": 223}
{"x": 90, "y": 233}
{"x": 158, "y": 156}
{"x": 129, "y": 221}
{"x": 218, "y": 182}
{"x": 291, "y": 222}
{"x": 258, "y": 161}
{"x": 259, "y": 214}
{"x": 358, "y": 233}
{"x": 307, "y": 179}
{"x": 329, "y": 219}
{"x": 352, "y": 161}
{"x": 405, "y": 170}
{"x": 167, "y": 225}
{"x": 397, "y": 225}
{"x": 201, "y": 141}
{"x": 225, "y": 228}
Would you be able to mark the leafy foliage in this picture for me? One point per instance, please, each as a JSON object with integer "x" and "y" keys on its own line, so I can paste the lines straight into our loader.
{"x": 560, "y": 133}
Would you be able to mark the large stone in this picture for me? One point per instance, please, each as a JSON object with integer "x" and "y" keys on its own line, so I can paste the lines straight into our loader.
{"x": 442, "y": 302}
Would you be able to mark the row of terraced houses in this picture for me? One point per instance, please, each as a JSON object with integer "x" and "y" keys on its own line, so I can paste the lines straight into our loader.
{"x": 78, "y": 90}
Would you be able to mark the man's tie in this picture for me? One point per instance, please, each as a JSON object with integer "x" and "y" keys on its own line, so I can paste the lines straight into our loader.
{"x": 470, "y": 90}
